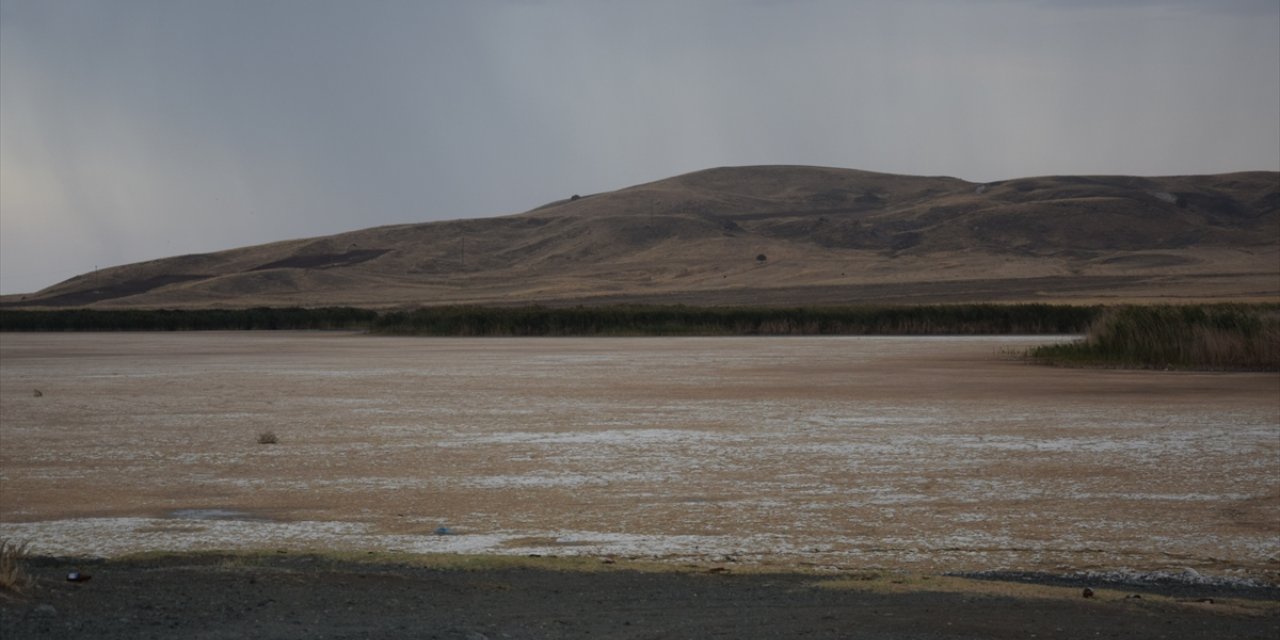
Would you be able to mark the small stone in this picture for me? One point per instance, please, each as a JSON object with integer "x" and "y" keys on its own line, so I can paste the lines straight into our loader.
{"x": 1088, "y": 593}
{"x": 36, "y": 393}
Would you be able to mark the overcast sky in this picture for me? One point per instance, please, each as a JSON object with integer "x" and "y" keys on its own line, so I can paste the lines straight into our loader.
{"x": 132, "y": 130}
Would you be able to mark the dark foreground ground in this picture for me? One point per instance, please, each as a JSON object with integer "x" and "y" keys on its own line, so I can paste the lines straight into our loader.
{"x": 301, "y": 596}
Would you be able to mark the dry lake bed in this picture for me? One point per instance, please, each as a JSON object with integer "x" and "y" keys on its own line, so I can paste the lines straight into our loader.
{"x": 915, "y": 454}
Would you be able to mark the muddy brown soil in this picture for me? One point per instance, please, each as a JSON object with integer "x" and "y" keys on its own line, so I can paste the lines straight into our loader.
{"x": 309, "y": 597}
{"x": 919, "y": 454}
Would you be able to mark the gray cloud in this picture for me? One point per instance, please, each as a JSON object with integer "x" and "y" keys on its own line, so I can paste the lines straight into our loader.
{"x": 133, "y": 130}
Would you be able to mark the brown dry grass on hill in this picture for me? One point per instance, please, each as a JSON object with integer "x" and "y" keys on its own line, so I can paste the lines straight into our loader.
{"x": 830, "y": 235}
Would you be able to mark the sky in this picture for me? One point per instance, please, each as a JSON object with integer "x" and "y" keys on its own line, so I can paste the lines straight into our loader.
{"x": 140, "y": 129}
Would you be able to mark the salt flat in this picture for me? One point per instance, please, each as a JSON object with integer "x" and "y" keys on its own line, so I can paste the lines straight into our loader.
{"x": 931, "y": 454}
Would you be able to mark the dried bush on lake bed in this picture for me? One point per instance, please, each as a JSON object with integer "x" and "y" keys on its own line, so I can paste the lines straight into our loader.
{"x": 13, "y": 576}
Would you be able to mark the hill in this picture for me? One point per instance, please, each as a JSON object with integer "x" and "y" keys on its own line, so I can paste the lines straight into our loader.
{"x": 763, "y": 235}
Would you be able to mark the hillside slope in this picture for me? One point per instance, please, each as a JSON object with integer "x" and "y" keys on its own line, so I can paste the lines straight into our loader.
{"x": 825, "y": 235}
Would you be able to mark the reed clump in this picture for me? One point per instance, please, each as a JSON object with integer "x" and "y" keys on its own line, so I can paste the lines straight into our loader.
{"x": 1210, "y": 337}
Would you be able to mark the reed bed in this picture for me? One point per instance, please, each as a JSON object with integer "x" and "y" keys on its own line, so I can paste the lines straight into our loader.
{"x": 614, "y": 320}
{"x": 1226, "y": 336}
{"x": 260, "y": 318}
{"x": 637, "y": 320}
{"x": 1210, "y": 337}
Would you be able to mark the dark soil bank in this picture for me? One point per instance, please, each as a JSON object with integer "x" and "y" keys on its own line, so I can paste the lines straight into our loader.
{"x": 308, "y": 597}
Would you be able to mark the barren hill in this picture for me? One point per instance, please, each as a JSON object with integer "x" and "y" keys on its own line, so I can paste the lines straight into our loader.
{"x": 764, "y": 235}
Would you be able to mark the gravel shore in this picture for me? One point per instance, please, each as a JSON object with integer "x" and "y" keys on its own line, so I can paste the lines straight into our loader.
{"x": 313, "y": 596}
